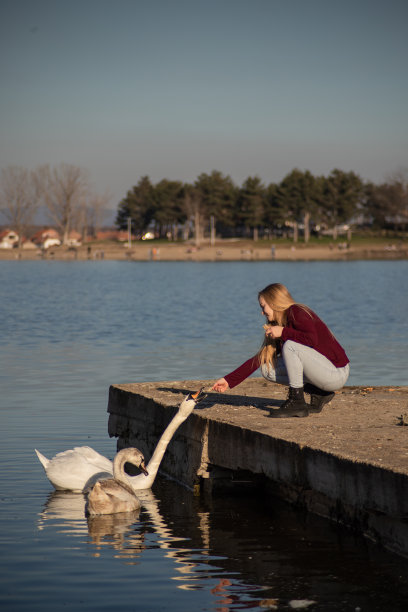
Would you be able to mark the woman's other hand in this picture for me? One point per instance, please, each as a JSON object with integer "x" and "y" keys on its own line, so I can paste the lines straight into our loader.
{"x": 221, "y": 385}
{"x": 274, "y": 331}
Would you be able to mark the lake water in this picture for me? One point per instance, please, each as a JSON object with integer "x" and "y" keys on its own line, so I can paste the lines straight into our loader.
{"x": 69, "y": 330}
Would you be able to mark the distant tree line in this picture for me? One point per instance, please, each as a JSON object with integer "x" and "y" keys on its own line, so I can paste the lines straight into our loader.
{"x": 214, "y": 203}
{"x": 64, "y": 192}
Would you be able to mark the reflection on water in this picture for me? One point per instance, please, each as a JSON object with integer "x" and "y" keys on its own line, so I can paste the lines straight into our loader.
{"x": 65, "y": 509}
{"x": 127, "y": 534}
{"x": 65, "y": 512}
{"x": 118, "y": 531}
{"x": 211, "y": 543}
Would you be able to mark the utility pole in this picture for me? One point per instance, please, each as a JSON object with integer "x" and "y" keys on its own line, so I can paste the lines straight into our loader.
{"x": 129, "y": 223}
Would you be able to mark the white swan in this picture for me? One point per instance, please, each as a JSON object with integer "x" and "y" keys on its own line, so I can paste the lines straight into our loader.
{"x": 79, "y": 468}
{"x": 114, "y": 494}
{"x": 76, "y": 469}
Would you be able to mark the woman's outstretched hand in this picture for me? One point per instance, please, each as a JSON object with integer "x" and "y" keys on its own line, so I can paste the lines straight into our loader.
{"x": 221, "y": 385}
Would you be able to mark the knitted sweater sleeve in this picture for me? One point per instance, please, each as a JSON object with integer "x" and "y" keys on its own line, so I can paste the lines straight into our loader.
{"x": 242, "y": 372}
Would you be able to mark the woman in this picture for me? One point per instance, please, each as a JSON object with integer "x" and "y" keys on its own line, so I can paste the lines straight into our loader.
{"x": 298, "y": 350}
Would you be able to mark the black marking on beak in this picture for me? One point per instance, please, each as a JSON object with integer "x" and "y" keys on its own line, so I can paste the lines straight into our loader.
{"x": 198, "y": 395}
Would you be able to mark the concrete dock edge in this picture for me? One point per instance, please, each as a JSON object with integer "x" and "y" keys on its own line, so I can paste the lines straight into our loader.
{"x": 348, "y": 464}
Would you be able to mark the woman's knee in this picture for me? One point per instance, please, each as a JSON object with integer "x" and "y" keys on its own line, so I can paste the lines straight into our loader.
{"x": 289, "y": 346}
{"x": 277, "y": 374}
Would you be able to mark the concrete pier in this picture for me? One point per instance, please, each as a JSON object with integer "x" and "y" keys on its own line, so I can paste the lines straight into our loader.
{"x": 349, "y": 463}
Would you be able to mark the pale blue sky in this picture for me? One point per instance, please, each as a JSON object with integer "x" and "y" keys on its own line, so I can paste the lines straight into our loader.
{"x": 175, "y": 88}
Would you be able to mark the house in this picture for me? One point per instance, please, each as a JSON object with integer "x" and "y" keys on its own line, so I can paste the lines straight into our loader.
{"x": 46, "y": 238}
{"x": 8, "y": 239}
{"x": 74, "y": 239}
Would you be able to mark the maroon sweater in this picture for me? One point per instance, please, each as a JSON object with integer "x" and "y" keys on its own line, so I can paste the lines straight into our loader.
{"x": 302, "y": 327}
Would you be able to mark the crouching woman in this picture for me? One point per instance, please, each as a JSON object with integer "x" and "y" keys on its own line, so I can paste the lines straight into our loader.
{"x": 299, "y": 350}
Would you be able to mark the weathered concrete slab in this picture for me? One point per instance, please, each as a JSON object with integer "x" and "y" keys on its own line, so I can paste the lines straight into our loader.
{"x": 348, "y": 463}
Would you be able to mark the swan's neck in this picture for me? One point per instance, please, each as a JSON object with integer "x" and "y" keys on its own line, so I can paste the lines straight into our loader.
{"x": 119, "y": 473}
{"x": 154, "y": 463}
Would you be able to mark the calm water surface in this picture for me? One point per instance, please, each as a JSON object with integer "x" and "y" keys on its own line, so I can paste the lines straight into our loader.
{"x": 69, "y": 330}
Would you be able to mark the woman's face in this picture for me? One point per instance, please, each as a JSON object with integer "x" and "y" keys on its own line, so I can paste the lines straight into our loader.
{"x": 266, "y": 309}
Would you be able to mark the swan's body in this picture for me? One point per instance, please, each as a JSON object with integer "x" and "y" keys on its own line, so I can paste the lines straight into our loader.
{"x": 76, "y": 469}
{"x": 114, "y": 494}
{"x": 79, "y": 468}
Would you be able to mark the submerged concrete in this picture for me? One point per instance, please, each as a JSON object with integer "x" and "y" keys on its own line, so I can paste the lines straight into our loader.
{"x": 349, "y": 463}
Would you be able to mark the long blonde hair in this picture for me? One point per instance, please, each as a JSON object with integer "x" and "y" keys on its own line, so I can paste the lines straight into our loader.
{"x": 279, "y": 299}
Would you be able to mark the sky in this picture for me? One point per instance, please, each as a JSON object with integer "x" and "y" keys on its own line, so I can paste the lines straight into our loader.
{"x": 175, "y": 88}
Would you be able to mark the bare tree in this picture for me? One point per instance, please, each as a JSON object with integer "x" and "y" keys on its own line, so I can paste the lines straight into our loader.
{"x": 389, "y": 201}
{"x": 96, "y": 210}
{"x": 19, "y": 198}
{"x": 63, "y": 189}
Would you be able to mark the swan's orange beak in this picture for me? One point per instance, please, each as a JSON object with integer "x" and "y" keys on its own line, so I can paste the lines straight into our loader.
{"x": 143, "y": 469}
{"x": 198, "y": 395}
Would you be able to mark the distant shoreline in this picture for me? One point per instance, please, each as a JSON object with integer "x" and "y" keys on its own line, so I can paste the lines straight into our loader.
{"x": 223, "y": 251}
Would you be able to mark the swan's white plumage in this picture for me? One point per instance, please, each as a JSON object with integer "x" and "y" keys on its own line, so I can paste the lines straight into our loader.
{"x": 79, "y": 468}
{"x": 76, "y": 469}
{"x": 114, "y": 495}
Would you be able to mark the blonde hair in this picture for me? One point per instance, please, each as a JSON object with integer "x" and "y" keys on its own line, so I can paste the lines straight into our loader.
{"x": 279, "y": 299}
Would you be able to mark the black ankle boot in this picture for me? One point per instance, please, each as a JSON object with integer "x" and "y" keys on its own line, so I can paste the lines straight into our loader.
{"x": 294, "y": 406}
{"x": 318, "y": 397}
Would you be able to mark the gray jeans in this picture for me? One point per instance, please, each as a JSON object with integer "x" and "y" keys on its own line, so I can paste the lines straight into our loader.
{"x": 299, "y": 364}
